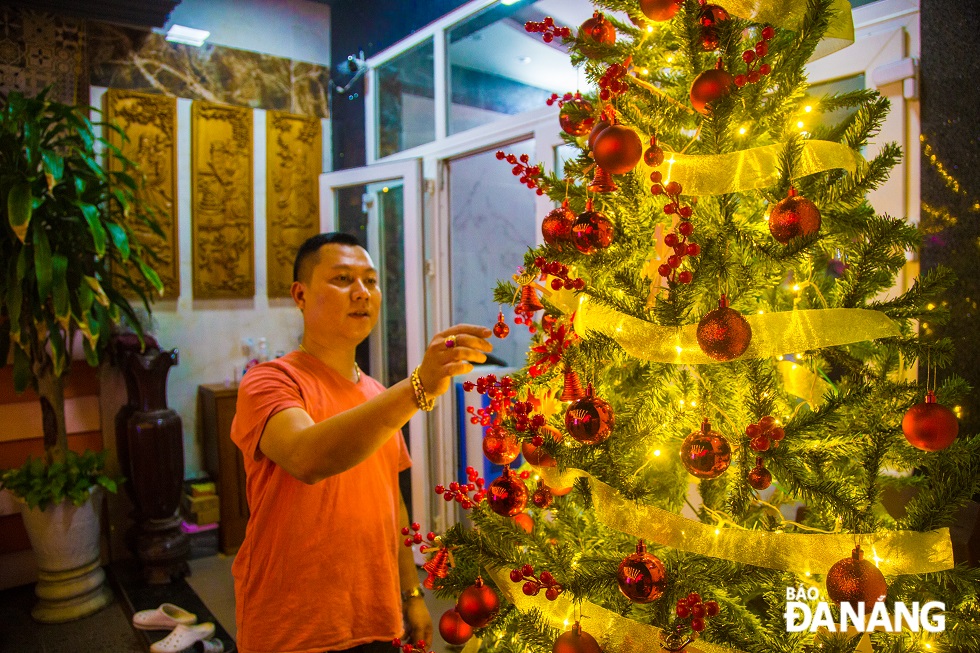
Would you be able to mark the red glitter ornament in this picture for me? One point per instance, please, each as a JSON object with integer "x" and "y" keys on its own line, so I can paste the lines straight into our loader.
{"x": 500, "y": 446}
{"x": 856, "y": 581}
{"x": 706, "y": 453}
{"x": 641, "y": 576}
{"x": 590, "y": 420}
{"x": 724, "y": 334}
{"x": 660, "y": 10}
{"x": 709, "y": 86}
{"x": 542, "y": 496}
{"x": 792, "y": 217}
{"x": 617, "y": 149}
{"x": 575, "y": 117}
{"x": 500, "y": 329}
{"x": 453, "y": 629}
{"x": 557, "y": 225}
{"x": 592, "y": 230}
{"x": 929, "y": 425}
{"x": 507, "y": 495}
{"x": 759, "y": 477}
{"x": 596, "y": 30}
{"x": 576, "y": 640}
{"x": 478, "y": 604}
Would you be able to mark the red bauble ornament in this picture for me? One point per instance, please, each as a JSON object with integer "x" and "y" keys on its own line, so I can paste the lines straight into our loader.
{"x": 855, "y": 580}
{"x": 590, "y": 420}
{"x": 659, "y": 10}
{"x": 524, "y": 521}
{"x": 706, "y": 453}
{"x": 542, "y": 496}
{"x": 592, "y": 230}
{"x": 576, "y": 117}
{"x": 500, "y": 446}
{"x": 478, "y": 604}
{"x": 759, "y": 477}
{"x": 708, "y": 87}
{"x": 617, "y": 149}
{"x": 557, "y": 225}
{"x": 600, "y": 127}
{"x": 596, "y": 30}
{"x": 500, "y": 329}
{"x": 711, "y": 15}
{"x": 453, "y": 629}
{"x": 653, "y": 155}
{"x": 537, "y": 456}
{"x": 929, "y": 425}
{"x": 724, "y": 334}
{"x": 507, "y": 495}
{"x": 576, "y": 640}
{"x": 792, "y": 217}
{"x": 641, "y": 576}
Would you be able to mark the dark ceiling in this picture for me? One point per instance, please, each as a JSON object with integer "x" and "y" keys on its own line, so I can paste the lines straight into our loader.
{"x": 138, "y": 13}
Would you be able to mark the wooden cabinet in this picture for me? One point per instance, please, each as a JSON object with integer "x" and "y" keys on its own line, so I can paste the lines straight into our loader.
{"x": 223, "y": 461}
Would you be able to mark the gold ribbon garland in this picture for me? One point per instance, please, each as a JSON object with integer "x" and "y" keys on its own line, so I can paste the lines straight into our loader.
{"x": 895, "y": 552}
{"x": 757, "y": 167}
{"x": 788, "y": 14}
{"x": 615, "y": 633}
{"x": 773, "y": 334}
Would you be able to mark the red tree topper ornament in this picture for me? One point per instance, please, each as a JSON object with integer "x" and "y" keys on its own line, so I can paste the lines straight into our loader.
{"x": 592, "y": 230}
{"x": 724, "y": 334}
{"x": 709, "y": 86}
{"x": 453, "y": 629}
{"x": 548, "y": 30}
{"x": 595, "y": 31}
{"x": 856, "y": 581}
{"x": 660, "y": 10}
{"x": 534, "y": 584}
{"x": 576, "y": 640}
{"x": 617, "y": 149}
{"x": 765, "y": 434}
{"x": 792, "y": 217}
{"x": 755, "y": 60}
{"x": 478, "y": 604}
{"x": 929, "y": 425}
{"x": 759, "y": 477}
{"x": 590, "y": 420}
{"x": 641, "y": 576}
{"x": 705, "y": 453}
{"x": 507, "y": 495}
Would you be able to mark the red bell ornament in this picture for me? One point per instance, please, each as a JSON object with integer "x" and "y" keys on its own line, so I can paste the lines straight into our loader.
{"x": 592, "y": 230}
{"x": 557, "y": 225}
{"x": 617, "y": 149}
{"x": 856, "y": 581}
{"x": 659, "y": 10}
{"x": 575, "y": 117}
{"x": 590, "y": 420}
{"x": 507, "y": 495}
{"x": 724, "y": 334}
{"x": 602, "y": 182}
{"x": 792, "y": 217}
{"x": 596, "y": 30}
{"x": 706, "y": 453}
{"x": 709, "y": 86}
{"x": 929, "y": 425}
{"x": 500, "y": 446}
{"x": 453, "y": 629}
{"x": 576, "y": 640}
{"x": 529, "y": 303}
{"x": 571, "y": 390}
{"x": 641, "y": 576}
{"x": 478, "y": 604}
{"x": 759, "y": 477}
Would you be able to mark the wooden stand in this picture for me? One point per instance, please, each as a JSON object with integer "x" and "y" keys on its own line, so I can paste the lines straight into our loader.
{"x": 224, "y": 462}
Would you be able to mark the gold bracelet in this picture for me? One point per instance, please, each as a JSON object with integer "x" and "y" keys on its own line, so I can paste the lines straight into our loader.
{"x": 421, "y": 399}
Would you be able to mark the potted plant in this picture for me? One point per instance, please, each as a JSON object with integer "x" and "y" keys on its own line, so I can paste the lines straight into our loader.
{"x": 68, "y": 262}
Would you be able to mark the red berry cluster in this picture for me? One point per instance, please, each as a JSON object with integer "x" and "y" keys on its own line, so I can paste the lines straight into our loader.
{"x": 678, "y": 243}
{"x": 692, "y": 608}
{"x": 765, "y": 434}
{"x": 562, "y": 99}
{"x": 533, "y": 584}
{"x": 756, "y": 66}
{"x": 547, "y": 29}
{"x": 529, "y": 175}
{"x": 417, "y": 538}
{"x": 551, "y": 351}
{"x": 612, "y": 84}
{"x": 503, "y": 405}
{"x": 560, "y": 272}
{"x": 408, "y": 647}
{"x": 460, "y": 491}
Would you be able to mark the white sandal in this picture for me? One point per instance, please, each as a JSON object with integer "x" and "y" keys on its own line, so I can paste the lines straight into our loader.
{"x": 166, "y": 617}
{"x": 184, "y": 637}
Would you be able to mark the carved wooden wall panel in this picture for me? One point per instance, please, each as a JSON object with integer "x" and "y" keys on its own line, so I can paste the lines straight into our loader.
{"x": 293, "y": 163}
{"x": 150, "y": 123}
{"x": 223, "y": 251}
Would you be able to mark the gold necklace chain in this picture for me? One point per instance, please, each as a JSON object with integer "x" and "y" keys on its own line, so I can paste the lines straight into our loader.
{"x": 357, "y": 368}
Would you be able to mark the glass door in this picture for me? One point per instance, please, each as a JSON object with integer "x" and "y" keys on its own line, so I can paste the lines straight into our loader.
{"x": 382, "y": 206}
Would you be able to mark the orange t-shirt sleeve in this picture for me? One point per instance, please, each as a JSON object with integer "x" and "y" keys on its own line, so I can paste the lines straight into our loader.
{"x": 264, "y": 391}
{"x": 404, "y": 460}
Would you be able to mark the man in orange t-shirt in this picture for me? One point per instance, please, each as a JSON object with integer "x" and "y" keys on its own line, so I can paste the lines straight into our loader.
{"x": 322, "y": 566}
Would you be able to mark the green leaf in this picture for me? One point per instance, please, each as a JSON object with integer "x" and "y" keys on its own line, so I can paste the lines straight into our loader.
{"x": 42, "y": 263}
{"x": 91, "y": 355}
{"x": 19, "y": 208}
{"x": 22, "y": 370}
{"x": 54, "y": 164}
{"x": 150, "y": 275}
{"x": 119, "y": 238}
{"x": 94, "y": 219}
{"x": 58, "y": 351}
{"x": 59, "y": 288}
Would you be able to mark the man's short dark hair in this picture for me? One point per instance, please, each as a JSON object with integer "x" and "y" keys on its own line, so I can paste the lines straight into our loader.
{"x": 309, "y": 252}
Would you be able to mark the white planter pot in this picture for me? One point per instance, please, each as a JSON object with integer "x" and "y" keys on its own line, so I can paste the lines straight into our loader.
{"x": 65, "y": 538}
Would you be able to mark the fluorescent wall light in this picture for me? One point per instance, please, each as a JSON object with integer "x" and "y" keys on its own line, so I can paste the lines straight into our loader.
{"x": 188, "y": 35}
{"x": 509, "y": 2}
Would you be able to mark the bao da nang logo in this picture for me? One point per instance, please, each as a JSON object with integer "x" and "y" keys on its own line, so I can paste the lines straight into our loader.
{"x": 805, "y": 612}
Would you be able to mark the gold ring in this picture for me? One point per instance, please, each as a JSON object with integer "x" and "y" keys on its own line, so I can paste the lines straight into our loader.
{"x": 450, "y": 342}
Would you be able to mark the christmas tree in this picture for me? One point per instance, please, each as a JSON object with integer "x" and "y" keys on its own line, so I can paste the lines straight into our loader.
{"x": 731, "y": 434}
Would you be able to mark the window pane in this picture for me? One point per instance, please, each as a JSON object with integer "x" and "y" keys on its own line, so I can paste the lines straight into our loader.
{"x": 406, "y": 100}
{"x": 831, "y": 118}
{"x": 496, "y": 68}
